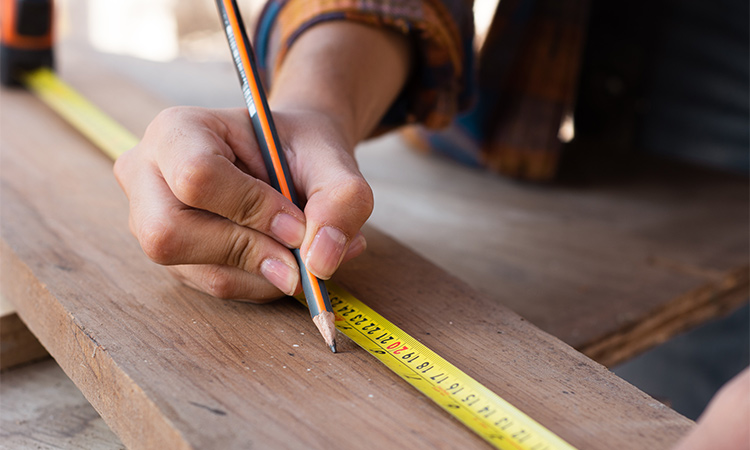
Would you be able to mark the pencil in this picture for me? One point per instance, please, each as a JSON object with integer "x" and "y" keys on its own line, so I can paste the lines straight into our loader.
{"x": 315, "y": 290}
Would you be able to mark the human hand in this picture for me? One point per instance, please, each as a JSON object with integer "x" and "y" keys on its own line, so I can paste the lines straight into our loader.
{"x": 200, "y": 202}
{"x": 725, "y": 425}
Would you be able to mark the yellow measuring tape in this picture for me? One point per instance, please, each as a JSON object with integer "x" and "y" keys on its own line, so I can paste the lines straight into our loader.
{"x": 108, "y": 135}
{"x": 487, "y": 414}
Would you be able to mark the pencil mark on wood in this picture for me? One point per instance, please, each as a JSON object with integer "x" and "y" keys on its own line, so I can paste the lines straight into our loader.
{"x": 89, "y": 335}
{"x": 216, "y": 411}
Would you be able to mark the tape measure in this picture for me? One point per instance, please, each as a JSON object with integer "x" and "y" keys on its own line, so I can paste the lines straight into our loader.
{"x": 109, "y": 136}
{"x": 487, "y": 414}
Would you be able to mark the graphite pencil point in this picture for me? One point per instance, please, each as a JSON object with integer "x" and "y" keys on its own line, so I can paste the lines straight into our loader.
{"x": 325, "y": 323}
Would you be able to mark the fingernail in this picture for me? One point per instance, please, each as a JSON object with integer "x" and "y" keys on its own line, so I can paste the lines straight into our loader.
{"x": 289, "y": 229}
{"x": 326, "y": 252}
{"x": 280, "y": 275}
{"x": 358, "y": 245}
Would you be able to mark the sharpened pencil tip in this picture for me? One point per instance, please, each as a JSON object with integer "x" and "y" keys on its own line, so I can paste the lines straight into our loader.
{"x": 324, "y": 322}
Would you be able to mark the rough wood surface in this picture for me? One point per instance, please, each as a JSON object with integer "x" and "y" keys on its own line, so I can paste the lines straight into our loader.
{"x": 168, "y": 367}
{"x": 587, "y": 263}
{"x": 612, "y": 267}
{"x": 695, "y": 308}
{"x": 43, "y": 409}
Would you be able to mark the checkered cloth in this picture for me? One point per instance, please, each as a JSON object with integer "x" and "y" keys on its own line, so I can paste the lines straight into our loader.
{"x": 504, "y": 115}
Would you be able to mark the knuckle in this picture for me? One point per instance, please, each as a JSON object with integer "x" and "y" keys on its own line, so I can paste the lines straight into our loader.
{"x": 170, "y": 126}
{"x": 119, "y": 168}
{"x": 159, "y": 241}
{"x": 190, "y": 180}
{"x": 218, "y": 283}
{"x": 354, "y": 194}
{"x": 173, "y": 114}
{"x": 165, "y": 120}
{"x": 123, "y": 168}
{"x": 241, "y": 252}
{"x": 251, "y": 207}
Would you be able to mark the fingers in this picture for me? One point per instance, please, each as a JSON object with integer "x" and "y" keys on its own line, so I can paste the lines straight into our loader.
{"x": 201, "y": 171}
{"x": 356, "y": 247}
{"x": 171, "y": 233}
{"x": 215, "y": 184}
{"x": 335, "y": 216}
{"x": 200, "y": 202}
{"x": 339, "y": 201}
{"x": 227, "y": 282}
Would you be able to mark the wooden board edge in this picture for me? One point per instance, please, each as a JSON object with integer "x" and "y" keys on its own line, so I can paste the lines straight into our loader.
{"x": 687, "y": 311}
{"x": 117, "y": 403}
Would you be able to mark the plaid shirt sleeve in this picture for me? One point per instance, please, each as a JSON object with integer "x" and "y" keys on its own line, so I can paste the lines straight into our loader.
{"x": 443, "y": 31}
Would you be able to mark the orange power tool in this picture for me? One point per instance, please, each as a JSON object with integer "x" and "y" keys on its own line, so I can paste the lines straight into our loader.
{"x": 25, "y": 38}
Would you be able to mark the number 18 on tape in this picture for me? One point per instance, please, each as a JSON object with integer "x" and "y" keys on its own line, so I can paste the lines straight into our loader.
{"x": 487, "y": 414}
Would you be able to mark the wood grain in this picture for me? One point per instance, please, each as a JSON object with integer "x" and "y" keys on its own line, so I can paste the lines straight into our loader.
{"x": 43, "y": 409}
{"x": 663, "y": 244}
{"x": 168, "y": 367}
{"x": 586, "y": 263}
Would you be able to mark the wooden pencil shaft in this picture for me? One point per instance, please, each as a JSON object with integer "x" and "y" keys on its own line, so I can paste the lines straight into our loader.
{"x": 268, "y": 139}
{"x": 257, "y": 104}
{"x": 310, "y": 289}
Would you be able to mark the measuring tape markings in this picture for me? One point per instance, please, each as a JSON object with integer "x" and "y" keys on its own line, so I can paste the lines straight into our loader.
{"x": 484, "y": 412}
{"x": 487, "y": 414}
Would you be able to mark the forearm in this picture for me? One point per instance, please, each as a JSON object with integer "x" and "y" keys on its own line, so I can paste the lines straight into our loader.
{"x": 349, "y": 71}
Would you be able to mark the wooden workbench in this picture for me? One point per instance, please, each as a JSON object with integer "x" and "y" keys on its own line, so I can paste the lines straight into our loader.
{"x": 169, "y": 367}
{"x": 612, "y": 267}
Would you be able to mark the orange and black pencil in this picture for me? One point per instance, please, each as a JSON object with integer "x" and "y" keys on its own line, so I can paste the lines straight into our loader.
{"x": 315, "y": 290}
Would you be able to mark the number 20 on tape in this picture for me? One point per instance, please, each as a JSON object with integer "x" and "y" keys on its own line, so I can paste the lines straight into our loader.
{"x": 487, "y": 414}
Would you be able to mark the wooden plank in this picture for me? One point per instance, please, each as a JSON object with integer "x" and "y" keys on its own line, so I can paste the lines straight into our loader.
{"x": 169, "y": 367}
{"x": 564, "y": 256}
{"x": 662, "y": 244}
{"x": 612, "y": 267}
{"x": 43, "y": 409}
{"x": 695, "y": 308}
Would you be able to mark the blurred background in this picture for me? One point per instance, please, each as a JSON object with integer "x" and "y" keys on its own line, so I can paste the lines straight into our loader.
{"x": 667, "y": 77}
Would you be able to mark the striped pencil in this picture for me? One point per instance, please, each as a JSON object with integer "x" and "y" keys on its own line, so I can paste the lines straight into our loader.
{"x": 315, "y": 290}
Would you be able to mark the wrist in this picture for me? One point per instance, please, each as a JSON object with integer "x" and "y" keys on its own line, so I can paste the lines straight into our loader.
{"x": 349, "y": 72}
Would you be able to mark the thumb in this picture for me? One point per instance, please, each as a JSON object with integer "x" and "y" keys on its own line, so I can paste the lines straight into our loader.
{"x": 339, "y": 201}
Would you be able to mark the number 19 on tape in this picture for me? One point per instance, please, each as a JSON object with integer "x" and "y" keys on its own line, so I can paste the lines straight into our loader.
{"x": 487, "y": 414}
